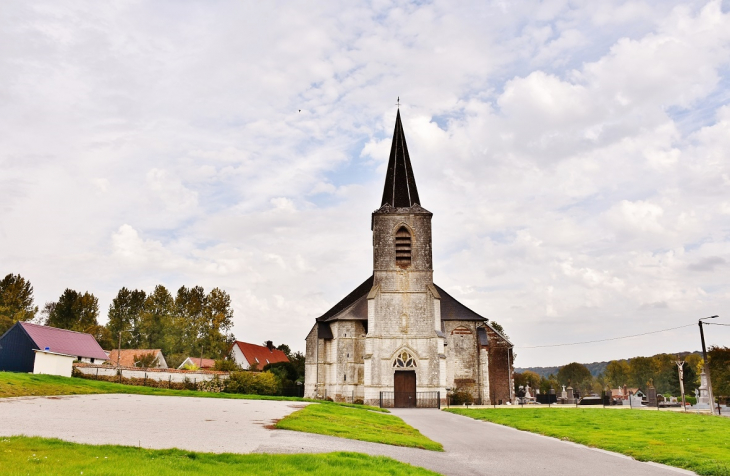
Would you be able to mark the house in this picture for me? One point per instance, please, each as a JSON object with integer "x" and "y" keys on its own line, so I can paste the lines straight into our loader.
{"x": 27, "y": 347}
{"x": 251, "y": 355}
{"x": 198, "y": 362}
{"x": 131, "y": 358}
{"x": 398, "y": 335}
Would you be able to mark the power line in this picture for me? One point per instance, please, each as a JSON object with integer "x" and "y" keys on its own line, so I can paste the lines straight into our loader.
{"x": 606, "y": 340}
{"x": 716, "y": 324}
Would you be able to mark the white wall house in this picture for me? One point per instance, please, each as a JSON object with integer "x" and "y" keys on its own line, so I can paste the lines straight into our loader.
{"x": 52, "y": 363}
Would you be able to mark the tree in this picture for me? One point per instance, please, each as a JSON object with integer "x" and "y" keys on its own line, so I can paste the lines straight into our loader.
{"x": 719, "y": 358}
{"x": 188, "y": 321}
{"x": 74, "y": 311}
{"x": 617, "y": 373}
{"x": 284, "y": 348}
{"x": 125, "y": 313}
{"x": 640, "y": 372}
{"x": 527, "y": 377}
{"x": 215, "y": 334}
{"x": 156, "y": 319}
{"x": 577, "y": 375}
{"x": 16, "y": 301}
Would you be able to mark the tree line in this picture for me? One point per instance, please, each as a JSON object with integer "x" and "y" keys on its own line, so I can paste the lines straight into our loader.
{"x": 189, "y": 323}
{"x": 660, "y": 370}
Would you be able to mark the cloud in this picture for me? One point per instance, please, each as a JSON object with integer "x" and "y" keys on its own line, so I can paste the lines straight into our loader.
{"x": 574, "y": 156}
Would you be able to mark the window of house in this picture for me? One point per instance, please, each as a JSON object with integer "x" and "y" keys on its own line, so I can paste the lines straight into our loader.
{"x": 403, "y": 247}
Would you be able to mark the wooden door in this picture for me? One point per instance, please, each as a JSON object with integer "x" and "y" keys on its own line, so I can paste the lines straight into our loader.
{"x": 405, "y": 389}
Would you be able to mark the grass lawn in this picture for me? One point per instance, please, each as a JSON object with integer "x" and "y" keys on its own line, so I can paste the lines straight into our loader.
{"x": 357, "y": 424}
{"x": 699, "y": 443}
{"x": 24, "y": 455}
{"x": 24, "y": 385}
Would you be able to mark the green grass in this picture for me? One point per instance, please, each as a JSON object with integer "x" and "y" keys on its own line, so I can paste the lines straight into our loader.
{"x": 24, "y": 455}
{"x": 357, "y": 423}
{"x": 24, "y": 385}
{"x": 699, "y": 443}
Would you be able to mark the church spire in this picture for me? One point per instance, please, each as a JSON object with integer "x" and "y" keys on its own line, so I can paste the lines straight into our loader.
{"x": 400, "y": 184}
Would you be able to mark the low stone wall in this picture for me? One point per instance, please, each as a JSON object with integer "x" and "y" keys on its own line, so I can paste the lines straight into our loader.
{"x": 161, "y": 375}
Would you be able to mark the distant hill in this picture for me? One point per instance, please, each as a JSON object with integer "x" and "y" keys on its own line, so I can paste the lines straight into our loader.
{"x": 596, "y": 368}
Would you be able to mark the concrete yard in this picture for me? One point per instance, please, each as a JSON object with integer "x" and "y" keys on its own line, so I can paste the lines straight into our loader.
{"x": 243, "y": 426}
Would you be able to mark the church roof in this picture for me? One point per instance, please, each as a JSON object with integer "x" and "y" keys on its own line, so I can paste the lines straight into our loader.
{"x": 355, "y": 303}
{"x": 354, "y": 306}
{"x": 400, "y": 185}
{"x": 453, "y": 310}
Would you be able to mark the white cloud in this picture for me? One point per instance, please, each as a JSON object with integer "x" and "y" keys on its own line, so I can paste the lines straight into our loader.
{"x": 575, "y": 157}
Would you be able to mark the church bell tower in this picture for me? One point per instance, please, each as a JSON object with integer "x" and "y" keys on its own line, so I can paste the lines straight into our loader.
{"x": 404, "y": 342}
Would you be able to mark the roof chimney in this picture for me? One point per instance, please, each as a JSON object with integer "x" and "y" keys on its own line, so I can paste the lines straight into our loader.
{"x": 270, "y": 345}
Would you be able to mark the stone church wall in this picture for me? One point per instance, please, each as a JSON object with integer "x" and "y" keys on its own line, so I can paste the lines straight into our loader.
{"x": 336, "y": 364}
{"x": 467, "y": 367}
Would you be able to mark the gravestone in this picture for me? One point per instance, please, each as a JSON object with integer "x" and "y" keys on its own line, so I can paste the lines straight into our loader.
{"x": 704, "y": 394}
{"x": 571, "y": 396}
{"x": 651, "y": 397}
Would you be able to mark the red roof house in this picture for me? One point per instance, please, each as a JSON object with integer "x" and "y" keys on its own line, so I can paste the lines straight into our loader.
{"x": 130, "y": 357}
{"x": 198, "y": 362}
{"x": 249, "y": 355}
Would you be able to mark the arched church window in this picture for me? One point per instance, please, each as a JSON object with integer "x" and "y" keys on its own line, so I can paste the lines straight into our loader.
{"x": 404, "y": 360}
{"x": 403, "y": 247}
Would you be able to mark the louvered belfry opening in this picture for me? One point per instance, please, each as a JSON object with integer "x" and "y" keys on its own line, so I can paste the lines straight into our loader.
{"x": 403, "y": 247}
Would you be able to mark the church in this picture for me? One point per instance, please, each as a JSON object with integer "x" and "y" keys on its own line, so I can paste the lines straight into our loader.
{"x": 398, "y": 339}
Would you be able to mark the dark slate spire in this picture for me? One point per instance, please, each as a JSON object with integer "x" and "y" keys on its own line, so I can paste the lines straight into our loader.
{"x": 400, "y": 184}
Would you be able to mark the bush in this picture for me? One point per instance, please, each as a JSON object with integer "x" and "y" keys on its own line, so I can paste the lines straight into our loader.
{"x": 213, "y": 386}
{"x": 359, "y": 402}
{"x": 461, "y": 396}
{"x": 252, "y": 383}
{"x": 226, "y": 365}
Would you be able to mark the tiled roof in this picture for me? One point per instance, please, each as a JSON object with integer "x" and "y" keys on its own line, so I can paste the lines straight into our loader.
{"x": 127, "y": 356}
{"x": 258, "y": 354}
{"x": 63, "y": 341}
{"x": 201, "y": 363}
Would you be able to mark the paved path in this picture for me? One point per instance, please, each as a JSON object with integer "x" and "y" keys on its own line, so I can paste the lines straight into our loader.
{"x": 239, "y": 426}
{"x": 486, "y": 448}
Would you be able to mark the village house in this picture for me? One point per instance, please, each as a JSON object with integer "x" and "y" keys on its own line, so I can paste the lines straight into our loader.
{"x": 252, "y": 356}
{"x": 27, "y": 347}
{"x": 136, "y": 357}
{"x": 197, "y": 362}
{"x": 398, "y": 336}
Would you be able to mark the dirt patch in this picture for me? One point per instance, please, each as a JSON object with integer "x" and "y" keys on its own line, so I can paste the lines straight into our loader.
{"x": 272, "y": 425}
{"x": 297, "y": 405}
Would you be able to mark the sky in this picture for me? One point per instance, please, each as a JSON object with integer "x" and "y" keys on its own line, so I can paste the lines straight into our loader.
{"x": 574, "y": 155}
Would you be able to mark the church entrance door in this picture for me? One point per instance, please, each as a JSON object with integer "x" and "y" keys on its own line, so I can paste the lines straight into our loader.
{"x": 405, "y": 389}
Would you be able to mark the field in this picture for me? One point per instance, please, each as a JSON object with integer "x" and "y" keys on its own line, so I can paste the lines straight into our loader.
{"x": 23, "y": 455}
{"x": 699, "y": 443}
{"x": 357, "y": 424}
{"x": 24, "y": 385}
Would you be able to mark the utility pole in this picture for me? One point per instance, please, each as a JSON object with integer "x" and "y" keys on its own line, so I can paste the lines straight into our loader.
{"x": 119, "y": 348}
{"x": 680, "y": 368}
{"x": 706, "y": 366}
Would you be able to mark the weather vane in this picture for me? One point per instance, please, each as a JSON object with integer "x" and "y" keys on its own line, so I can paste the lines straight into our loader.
{"x": 397, "y": 103}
